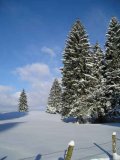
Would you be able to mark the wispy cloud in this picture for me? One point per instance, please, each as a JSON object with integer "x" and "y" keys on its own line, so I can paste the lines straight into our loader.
{"x": 5, "y": 88}
{"x": 34, "y": 72}
{"x": 48, "y": 50}
{"x": 40, "y": 79}
{"x": 8, "y": 98}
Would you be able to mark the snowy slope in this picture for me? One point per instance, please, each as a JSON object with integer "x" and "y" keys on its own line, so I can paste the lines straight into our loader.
{"x": 41, "y": 136}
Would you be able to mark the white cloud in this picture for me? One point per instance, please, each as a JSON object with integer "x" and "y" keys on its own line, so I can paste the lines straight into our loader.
{"x": 38, "y": 95}
{"x": 8, "y": 99}
{"x": 5, "y": 88}
{"x": 47, "y": 50}
{"x": 34, "y": 73}
{"x": 40, "y": 79}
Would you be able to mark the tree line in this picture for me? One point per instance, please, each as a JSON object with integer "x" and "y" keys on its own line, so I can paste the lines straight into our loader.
{"x": 90, "y": 77}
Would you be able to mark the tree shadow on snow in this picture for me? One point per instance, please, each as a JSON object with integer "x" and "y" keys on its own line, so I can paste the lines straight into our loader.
{"x": 99, "y": 155}
{"x": 3, "y": 158}
{"x": 105, "y": 151}
{"x": 112, "y": 124}
{"x": 38, "y": 157}
{"x": 60, "y": 158}
{"x": 69, "y": 119}
{"x": 12, "y": 115}
{"x": 50, "y": 155}
{"x": 6, "y": 126}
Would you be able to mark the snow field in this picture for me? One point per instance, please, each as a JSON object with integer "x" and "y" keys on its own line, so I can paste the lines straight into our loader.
{"x": 42, "y": 136}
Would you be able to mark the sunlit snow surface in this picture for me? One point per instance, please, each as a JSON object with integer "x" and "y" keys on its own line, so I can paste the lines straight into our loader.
{"x": 41, "y": 136}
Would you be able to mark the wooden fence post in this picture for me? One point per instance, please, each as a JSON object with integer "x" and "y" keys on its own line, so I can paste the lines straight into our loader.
{"x": 70, "y": 150}
{"x": 114, "y": 147}
{"x": 114, "y": 142}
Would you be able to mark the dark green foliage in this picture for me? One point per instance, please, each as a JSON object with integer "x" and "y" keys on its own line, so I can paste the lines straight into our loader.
{"x": 76, "y": 72}
{"x": 112, "y": 59}
{"x": 91, "y": 78}
{"x": 23, "y": 106}
{"x": 97, "y": 103}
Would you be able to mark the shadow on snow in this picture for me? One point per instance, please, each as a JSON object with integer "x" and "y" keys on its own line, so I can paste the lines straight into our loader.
{"x": 102, "y": 149}
{"x": 12, "y": 115}
{"x": 69, "y": 120}
{"x": 3, "y": 158}
{"x": 6, "y": 126}
{"x": 112, "y": 124}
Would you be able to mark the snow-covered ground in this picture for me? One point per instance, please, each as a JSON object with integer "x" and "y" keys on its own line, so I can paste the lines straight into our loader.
{"x": 41, "y": 136}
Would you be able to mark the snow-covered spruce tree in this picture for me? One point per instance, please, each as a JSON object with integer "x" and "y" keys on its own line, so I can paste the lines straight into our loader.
{"x": 77, "y": 80}
{"x": 54, "y": 99}
{"x": 23, "y": 106}
{"x": 98, "y": 66}
{"x": 112, "y": 74}
{"x": 94, "y": 78}
{"x": 98, "y": 71}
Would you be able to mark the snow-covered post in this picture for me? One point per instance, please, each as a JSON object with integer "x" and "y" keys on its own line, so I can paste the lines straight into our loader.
{"x": 114, "y": 149}
{"x": 70, "y": 150}
{"x": 114, "y": 142}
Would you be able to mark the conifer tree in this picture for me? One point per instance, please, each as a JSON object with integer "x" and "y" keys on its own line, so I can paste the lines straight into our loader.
{"x": 91, "y": 101}
{"x": 91, "y": 82}
{"x": 54, "y": 99}
{"x": 77, "y": 80}
{"x": 112, "y": 58}
{"x": 98, "y": 58}
{"x": 23, "y": 106}
{"x": 98, "y": 70}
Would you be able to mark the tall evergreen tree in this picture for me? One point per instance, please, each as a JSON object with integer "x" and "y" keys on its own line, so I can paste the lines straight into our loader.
{"x": 54, "y": 99}
{"x": 91, "y": 101}
{"x": 98, "y": 70}
{"x": 23, "y": 106}
{"x": 112, "y": 58}
{"x": 77, "y": 80}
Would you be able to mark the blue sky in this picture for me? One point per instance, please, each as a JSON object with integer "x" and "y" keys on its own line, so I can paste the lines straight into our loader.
{"x": 32, "y": 38}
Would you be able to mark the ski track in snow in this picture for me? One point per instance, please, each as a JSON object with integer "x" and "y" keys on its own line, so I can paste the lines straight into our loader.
{"x": 42, "y": 136}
